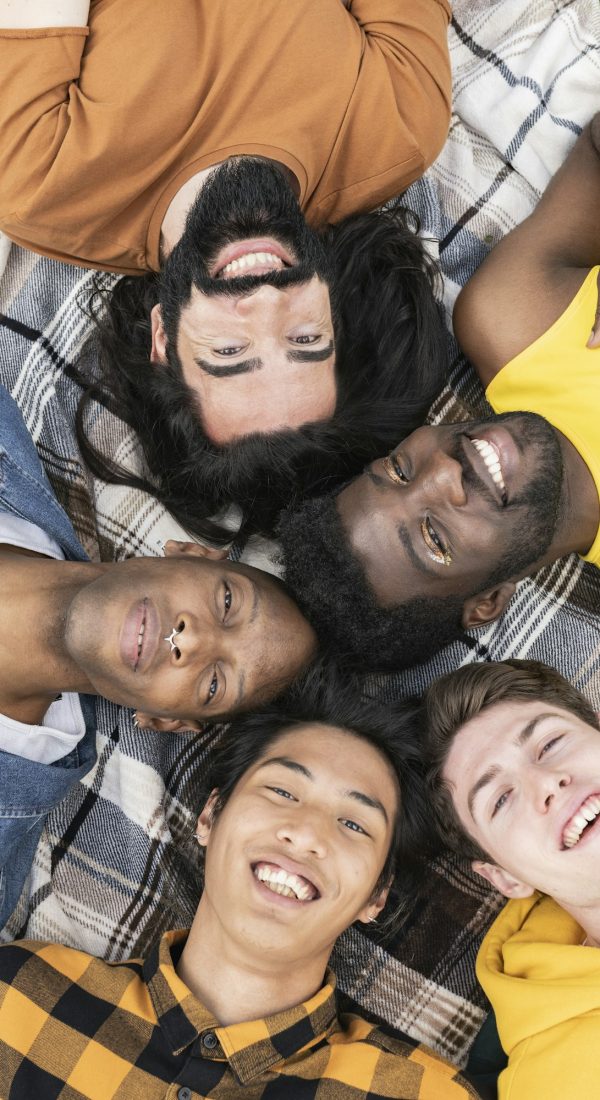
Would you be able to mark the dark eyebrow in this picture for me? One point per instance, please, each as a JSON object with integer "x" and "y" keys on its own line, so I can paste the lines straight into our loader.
{"x": 285, "y": 762}
{"x": 228, "y": 370}
{"x": 247, "y": 366}
{"x": 308, "y": 355}
{"x": 482, "y": 782}
{"x": 366, "y": 800}
{"x": 522, "y": 738}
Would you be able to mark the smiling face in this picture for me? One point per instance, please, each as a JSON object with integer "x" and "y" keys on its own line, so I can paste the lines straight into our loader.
{"x": 238, "y": 637}
{"x": 254, "y": 338}
{"x": 296, "y": 854}
{"x": 455, "y": 508}
{"x": 525, "y": 782}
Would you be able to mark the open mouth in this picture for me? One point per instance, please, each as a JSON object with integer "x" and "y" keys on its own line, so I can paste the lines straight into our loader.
{"x": 581, "y": 821}
{"x": 285, "y": 883}
{"x": 256, "y": 257}
{"x": 490, "y": 456}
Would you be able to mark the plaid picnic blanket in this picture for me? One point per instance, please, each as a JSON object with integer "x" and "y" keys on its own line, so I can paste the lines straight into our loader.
{"x": 115, "y": 865}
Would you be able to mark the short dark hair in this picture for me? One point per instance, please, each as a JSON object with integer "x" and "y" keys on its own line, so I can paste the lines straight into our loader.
{"x": 329, "y": 584}
{"x": 455, "y": 699}
{"x": 391, "y": 358}
{"x": 328, "y": 697}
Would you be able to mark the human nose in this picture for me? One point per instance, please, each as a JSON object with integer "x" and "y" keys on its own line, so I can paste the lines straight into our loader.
{"x": 303, "y": 833}
{"x": 264, "y": 297}
{"x": 183, "y": 640}
{"x": 547, "y": 783}
{"x": 442, "y": 478}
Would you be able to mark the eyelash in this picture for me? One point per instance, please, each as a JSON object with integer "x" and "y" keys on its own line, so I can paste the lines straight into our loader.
{"x": 548, "y": 744}
{"x": 435, "y": 545}
{"x": 500, "y": 803}
{"x": 227, "y": 599}
{"x": 228, "y": 351}
{"x": 394, "y": 470}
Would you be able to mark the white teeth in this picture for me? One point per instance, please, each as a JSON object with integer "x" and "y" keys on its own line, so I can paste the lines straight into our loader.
{"x": 141, "y": 638}
{"x": 491, "y": 458}
{"x": 586, "y": 813}
{"x": 251, "y": 259}
{"x": 281, "y": 882}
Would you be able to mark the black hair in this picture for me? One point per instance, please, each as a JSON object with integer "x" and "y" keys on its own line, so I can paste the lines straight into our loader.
{"x": 330, "y": 586}
{"x": 327, "y": 696}
{"x": 391, "y": 357}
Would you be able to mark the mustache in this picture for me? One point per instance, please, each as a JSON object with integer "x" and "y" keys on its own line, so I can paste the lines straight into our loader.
{"x": 240, "y": 286}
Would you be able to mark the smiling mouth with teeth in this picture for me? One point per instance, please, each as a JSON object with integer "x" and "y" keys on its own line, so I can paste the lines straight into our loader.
{"x": 585, "y": 816}
{"x": 491, "y": 457}
{"x": 285, "y": 883}
{"x": 245, "y": 264}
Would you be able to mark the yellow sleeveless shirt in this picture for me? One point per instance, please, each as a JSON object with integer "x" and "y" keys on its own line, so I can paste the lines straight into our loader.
{"x": 559, "y": 377}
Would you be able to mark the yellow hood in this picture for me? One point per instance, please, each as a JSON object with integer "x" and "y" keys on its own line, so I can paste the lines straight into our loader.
{"x": 545, "y": 989}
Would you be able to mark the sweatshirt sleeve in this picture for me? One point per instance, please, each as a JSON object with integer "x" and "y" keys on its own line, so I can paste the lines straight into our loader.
{"x": 39, "y": 69}
{"x": 399, "y": 114}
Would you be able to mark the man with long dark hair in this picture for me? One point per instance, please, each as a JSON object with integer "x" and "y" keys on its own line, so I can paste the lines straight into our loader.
{"x": 217, "y": 150}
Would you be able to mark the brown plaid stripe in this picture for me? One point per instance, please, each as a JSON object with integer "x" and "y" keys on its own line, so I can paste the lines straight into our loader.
{"x": 73, "y": 1026}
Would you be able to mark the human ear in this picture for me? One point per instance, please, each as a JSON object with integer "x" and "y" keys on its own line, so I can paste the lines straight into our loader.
{"x": 375, "y": 904}
{"x": 175, "y": 549}
{"x": 501, "y": 880}
{"x": 487, "y": 606}
{"x": 206, "y": 819}
{"x": 145, "y": 721}
{"x": 158, "y": 353}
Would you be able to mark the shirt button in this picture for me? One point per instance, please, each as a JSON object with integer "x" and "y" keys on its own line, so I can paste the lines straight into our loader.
{"x": 210, "y": 1040}
{"x": 184, "y": 1094}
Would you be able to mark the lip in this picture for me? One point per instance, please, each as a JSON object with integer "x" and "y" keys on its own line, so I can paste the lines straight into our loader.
{"x": 241, "y": 248}
{"x": 501, "y": 439}
{"x": 142, "y": 611}
{"x": 574, "y": 807}
{"x": 292, "y": 868}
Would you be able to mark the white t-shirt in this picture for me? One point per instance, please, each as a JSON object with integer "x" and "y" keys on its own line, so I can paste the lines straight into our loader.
{"x": 63, "y": 725}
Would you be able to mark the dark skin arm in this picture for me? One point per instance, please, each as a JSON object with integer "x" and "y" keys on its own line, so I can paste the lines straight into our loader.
{"x": 532, "y": 275}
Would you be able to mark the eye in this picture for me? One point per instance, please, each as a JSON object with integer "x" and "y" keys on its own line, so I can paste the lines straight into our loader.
{"x": 227, "y": 599}
{"x": 353, "y": 826}
{"x": 212, "y": 688}
{"x": 500, "y": 802}
{"x": 305, "y": 339}
{"x": 436, "y": 547}
{"x": 234, "y": 350}
{"x": 550, "y": 744}
{"x": 282, "y": 792}
{"x": 394, "y": 470}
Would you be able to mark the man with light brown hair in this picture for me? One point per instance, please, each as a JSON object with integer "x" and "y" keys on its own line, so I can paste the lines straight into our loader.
{"x": 514, "y": 776}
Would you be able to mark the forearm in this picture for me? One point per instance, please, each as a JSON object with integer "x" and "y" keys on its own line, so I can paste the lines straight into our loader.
{"x": 27, "y": 14}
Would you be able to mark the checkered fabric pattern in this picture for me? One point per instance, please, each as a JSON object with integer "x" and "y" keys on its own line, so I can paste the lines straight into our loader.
{"x": 114, "y": 869}
{"x": 73, "y": 1026}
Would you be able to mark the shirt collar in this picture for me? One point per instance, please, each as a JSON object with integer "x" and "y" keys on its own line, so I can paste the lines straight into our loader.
{"x": 250, "y": 1047}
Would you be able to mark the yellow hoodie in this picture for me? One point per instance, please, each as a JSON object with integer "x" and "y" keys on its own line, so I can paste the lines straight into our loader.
{"x": 545, "y": 990}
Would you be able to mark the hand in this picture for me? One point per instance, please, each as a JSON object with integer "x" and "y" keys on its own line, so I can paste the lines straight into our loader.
{"x": 594, "y": 340}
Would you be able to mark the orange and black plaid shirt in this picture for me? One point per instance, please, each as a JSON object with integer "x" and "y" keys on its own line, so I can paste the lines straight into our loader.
{"x": 73, "y": 1026}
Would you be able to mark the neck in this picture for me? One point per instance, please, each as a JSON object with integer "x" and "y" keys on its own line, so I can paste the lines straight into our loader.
{"x": 242, "y": 981}
{"x": 173, "y": 223}
{"x": 589, "y": 919}
{"x": 35, "y": 594}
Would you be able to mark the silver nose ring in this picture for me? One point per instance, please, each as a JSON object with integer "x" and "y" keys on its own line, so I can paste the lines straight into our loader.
{"x": 171, "y": 636}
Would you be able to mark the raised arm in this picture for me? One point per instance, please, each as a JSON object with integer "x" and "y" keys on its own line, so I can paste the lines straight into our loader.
{"x": 529, "y": 279}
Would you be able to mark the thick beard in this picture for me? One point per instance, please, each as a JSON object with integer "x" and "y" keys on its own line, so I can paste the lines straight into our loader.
{"x": 243, "y": 198}
{"x": 541, "y": 496}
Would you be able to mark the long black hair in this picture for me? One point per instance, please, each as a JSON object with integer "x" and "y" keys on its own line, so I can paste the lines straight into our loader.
{"x": 390, "y": 364}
